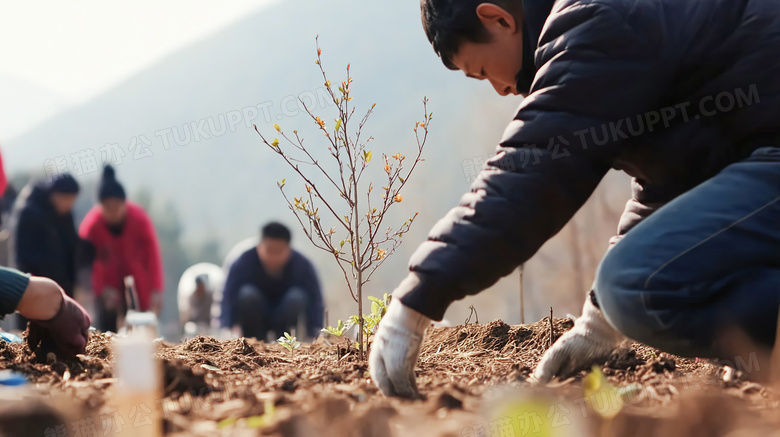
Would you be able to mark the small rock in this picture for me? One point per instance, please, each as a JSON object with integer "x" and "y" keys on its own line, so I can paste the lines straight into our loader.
{"x": 751, "y": 388}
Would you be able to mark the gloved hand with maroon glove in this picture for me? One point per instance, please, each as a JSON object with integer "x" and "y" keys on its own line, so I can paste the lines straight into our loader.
{"x": 67, "y": 331}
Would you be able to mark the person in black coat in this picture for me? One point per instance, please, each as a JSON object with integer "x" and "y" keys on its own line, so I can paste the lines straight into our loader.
{"x": 683, "y": 96}
{"x": 44, "y": 241}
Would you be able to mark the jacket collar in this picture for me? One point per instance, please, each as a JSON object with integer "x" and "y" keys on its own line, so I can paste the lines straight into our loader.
{"x": 535, "y": 13}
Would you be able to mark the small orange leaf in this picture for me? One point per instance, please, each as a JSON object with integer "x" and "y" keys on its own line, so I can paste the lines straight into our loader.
{"x": 398, "y": 198}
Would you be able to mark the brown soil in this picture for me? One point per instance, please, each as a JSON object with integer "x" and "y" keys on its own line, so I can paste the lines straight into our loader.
{"x": 473, "y": 378}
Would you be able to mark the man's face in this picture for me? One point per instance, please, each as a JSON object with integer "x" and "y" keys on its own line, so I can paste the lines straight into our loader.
{"x": 62, "y": 202}
{"x": 274, "y": 253}
{"x": 499, "y": 60}
{"x": 114, "y": 210}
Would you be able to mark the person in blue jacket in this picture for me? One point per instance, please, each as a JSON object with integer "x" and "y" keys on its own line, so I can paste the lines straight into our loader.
{"x": 684, "y": 96}
{"x": 272, "y": 287}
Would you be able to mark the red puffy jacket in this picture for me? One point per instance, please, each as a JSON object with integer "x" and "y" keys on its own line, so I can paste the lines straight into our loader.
{"x": 135, "y": 252}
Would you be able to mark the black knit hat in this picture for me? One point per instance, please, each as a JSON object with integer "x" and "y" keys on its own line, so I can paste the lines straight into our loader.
{"x": 61, "y": 183}
{"x": 109, "y": 186}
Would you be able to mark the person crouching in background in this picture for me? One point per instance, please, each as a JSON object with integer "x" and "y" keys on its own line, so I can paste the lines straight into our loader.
{"x": 272, "y": 287}
{"x": 43, "y": 238}
{"x": 198, "y": 311}
{"x": 125, "y": 245}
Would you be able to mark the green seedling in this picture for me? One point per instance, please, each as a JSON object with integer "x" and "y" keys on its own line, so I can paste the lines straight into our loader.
{"x": 289, "y": 342}
{"x": 371, "y": 321}
{"x": 339, "y": 330}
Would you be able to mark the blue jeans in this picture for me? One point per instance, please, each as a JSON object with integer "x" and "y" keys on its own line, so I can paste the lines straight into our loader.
{"x": 704, "y": 263}
{"x": 257, "y": 314}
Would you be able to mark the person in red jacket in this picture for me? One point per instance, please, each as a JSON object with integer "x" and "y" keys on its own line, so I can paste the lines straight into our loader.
{"x": 125, "y": 245}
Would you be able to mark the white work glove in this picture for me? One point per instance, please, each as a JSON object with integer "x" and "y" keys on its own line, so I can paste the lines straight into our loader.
{"x": 590, "y": 341}
{"x": 395, "y": 350}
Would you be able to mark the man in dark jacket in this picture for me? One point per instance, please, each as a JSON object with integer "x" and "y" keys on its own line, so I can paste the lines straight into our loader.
{"x": 272, "y": 287}
{"x": 44, "y": 240}
{"x": 682, "y": 95}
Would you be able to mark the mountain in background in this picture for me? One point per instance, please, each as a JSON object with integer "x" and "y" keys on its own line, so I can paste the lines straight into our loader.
{"x": 32, "y": 103}
{"x": 181, "y": 129}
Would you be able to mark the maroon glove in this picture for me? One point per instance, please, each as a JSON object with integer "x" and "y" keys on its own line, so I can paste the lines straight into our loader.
{"x": 68, "y": 330}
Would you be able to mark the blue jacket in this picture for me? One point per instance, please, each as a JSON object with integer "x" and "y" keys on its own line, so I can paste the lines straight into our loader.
{"x": 670, "y": 91}
{"x": 299, "y": 272}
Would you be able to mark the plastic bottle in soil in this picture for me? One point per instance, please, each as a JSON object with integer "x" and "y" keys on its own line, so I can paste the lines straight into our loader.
{"x": 136, "y": 320}
{"x": 138, "y": 386}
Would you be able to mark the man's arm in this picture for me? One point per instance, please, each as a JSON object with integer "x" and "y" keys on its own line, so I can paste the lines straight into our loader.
{"x": 311, "y": 284}
{"x": 53, "y": 315}
{"x": 229, "y": 294}
{"x": 41, "y": 300}
{"x": 551, "y": 163}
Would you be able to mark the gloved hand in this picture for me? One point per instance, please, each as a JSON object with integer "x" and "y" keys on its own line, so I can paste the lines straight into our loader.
{"x": 591, "y": 340}
{"x": 395, "y": 350}
{"x": 68, "y": 330}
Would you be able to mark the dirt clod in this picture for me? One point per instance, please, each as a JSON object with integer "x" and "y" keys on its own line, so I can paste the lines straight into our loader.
{"x": 624, "y": 359}
{"x": 496, "y": 335}
{"x": 664, "y": 363}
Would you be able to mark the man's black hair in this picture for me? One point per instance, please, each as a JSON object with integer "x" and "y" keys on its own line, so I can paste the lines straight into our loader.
{"x": 450, "y": 23}
{"x": 276, "y": 231}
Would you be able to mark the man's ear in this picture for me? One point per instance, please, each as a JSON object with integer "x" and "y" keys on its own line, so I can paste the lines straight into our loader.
{"x": 494, "y": 16}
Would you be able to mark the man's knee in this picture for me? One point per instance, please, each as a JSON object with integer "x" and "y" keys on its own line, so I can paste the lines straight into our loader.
{"x": 250, "y": 298}
{"x": 296, "y": 299}
{"x": 619, "y": 292}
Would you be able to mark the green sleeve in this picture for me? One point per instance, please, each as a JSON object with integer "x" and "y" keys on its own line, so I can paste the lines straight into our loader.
{"x": 13, "y": 283}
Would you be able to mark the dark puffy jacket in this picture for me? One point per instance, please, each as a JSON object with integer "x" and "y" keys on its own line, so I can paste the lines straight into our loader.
{"x": 42, "y": 242}
{"x": 670, "y": 91}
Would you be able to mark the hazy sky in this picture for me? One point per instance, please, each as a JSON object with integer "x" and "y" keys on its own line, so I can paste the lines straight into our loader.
{"x": 78, "y": 49}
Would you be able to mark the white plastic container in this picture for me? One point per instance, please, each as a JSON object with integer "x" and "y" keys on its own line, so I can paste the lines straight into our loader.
{"x": 138, "y": 390}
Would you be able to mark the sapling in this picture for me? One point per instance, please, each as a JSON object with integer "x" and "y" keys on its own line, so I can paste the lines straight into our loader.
{"x": 357, "y": 236}
{"x": 289, "y": 342}
{"x": 339, "y": 330}
{"x": 371, "y": 321}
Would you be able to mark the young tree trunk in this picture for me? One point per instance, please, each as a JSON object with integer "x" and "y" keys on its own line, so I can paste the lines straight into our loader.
{"x": 361, "y": 345}
{"x": 358, "y": 258}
